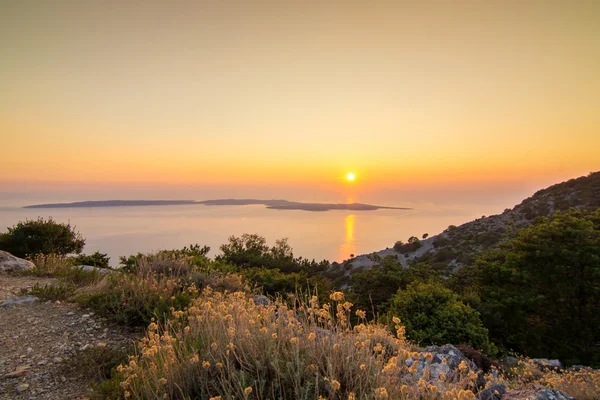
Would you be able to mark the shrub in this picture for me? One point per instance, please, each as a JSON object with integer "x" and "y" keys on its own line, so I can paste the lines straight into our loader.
{"x": 433, "y": 314}
{"x": 41, "y": 236}
{"x": 50, "y": 264}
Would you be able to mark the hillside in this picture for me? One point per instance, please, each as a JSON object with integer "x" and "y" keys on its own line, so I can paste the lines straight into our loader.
{"x": 458, "y": 245}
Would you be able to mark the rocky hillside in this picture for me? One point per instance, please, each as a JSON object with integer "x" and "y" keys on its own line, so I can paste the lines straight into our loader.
{"x": 458, "y": 245}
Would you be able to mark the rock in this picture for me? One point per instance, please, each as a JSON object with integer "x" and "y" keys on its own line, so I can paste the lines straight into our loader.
{"x": 261, "y": 300}
{"x": 510, "y": 362}
{"x": 22, "y": 387}
{"x": 544, "y": 363}
{"x": 494, "y": 392}
{"x": 10, "y": 263}
{"x": 91, "y": 268}
{"x": 18, "y": 300}
{"x": 536, "y": 394}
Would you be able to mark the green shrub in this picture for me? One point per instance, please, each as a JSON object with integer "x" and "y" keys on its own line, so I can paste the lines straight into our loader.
{"x": 41, "y": 236}
{"x": 433, "y": 314}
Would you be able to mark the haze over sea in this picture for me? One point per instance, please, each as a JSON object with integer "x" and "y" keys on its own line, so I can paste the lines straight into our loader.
{"x": 332, "y": 235}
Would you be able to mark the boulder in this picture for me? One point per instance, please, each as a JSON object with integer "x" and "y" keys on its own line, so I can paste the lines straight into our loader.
{"x": 10, "y": 263}
{"x": 18, "y": 300}
{"x": 91, "y": 268}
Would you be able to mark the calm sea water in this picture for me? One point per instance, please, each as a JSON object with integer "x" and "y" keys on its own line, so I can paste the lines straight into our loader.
{"x": 332, "y": 235}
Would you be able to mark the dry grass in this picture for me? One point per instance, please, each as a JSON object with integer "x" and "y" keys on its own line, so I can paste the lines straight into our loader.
{"x": 226, "y": 347}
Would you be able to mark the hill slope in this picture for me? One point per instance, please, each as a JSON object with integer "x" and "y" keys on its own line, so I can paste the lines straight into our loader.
{"x": 457, "y": 246}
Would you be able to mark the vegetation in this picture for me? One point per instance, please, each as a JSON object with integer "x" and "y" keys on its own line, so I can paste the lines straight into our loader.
{"x": 41, "y": 236}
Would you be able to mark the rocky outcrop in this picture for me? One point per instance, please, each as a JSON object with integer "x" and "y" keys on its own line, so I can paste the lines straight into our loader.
{"x": 10, "y": 263}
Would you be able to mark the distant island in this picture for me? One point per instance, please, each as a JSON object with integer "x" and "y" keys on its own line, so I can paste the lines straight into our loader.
{"x": 272, "y": 204}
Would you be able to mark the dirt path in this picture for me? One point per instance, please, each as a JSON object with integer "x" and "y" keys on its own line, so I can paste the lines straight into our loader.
{"x": 38, "y": 341}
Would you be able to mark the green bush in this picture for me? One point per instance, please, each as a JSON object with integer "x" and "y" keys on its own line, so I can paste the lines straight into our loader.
{"x": 433, "y": 314}
{"x": 41, "y": 236}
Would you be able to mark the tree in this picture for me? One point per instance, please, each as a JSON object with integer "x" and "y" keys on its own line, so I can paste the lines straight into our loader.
{"x": 41, "y": 237}
{"x": 540, "y": 292}
{"x": 425, "y": 236}
{"x": 433, "y": 314}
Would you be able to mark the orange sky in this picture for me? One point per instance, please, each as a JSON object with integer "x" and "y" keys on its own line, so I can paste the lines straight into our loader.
{"x": 263, "y": 93}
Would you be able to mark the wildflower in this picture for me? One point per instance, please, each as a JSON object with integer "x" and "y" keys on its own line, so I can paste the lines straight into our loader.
{"x": 381, "y": 393}
{"x": 205, "y": 364}
{"x": 247, "y": 391}
{"x": 294, "y": 340}
{"x": 396, "y": 320}
{"x": 274, "y": 335}
{"x": 351, "y": 396}
{"x": 312, "y": 336}
{"x": 162, "y": 381}
{"x": 362, "y": 367}
{"x": 219, "y": 365}
{"x": 335, "y": 385}
{"x": 214, "y": 346}
{"x": 337, "y": 296}
{"x": 215, "y": 398}
{"x": 361, "y": 314}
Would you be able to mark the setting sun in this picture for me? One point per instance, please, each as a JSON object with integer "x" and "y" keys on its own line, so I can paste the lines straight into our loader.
{"x": 350, "y": 177}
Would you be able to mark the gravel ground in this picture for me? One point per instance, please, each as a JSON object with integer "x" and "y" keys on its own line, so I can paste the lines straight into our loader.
{"x": 37, "y": 341}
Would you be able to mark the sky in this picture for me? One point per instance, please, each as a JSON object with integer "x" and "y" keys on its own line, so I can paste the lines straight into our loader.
{"x": 290, "y": 96}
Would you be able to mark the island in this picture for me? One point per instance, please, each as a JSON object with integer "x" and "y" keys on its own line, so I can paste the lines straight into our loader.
{"x": 271, "y": 204}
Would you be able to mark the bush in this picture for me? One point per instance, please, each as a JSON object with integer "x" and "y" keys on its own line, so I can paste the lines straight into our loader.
{"x": 433, "y": 314}
{"x": 41, "y": 236}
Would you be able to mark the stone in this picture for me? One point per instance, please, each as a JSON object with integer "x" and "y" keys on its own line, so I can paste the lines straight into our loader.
{"x": 494, "y": 392}
{"x": 10, "y": 263}
{"x": 91, "y": 268}
{"x": 22, "y": 387}
{"x": 545, "y": 363}
{"x": 261, "y": 300}
{"x": 18, "y": 300}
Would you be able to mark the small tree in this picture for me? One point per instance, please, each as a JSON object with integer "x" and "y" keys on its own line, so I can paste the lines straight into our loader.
{"x": 425, "y": 236}
{"x": 41, "y": 237}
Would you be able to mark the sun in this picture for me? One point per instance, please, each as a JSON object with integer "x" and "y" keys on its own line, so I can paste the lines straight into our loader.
{"x": 350, "y": 177}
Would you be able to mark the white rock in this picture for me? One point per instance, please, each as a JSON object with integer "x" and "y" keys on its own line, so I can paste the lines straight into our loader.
{"x": 10, "y": 263}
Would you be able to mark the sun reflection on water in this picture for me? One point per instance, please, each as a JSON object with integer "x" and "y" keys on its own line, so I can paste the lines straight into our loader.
{"x": 349, "y": 245}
